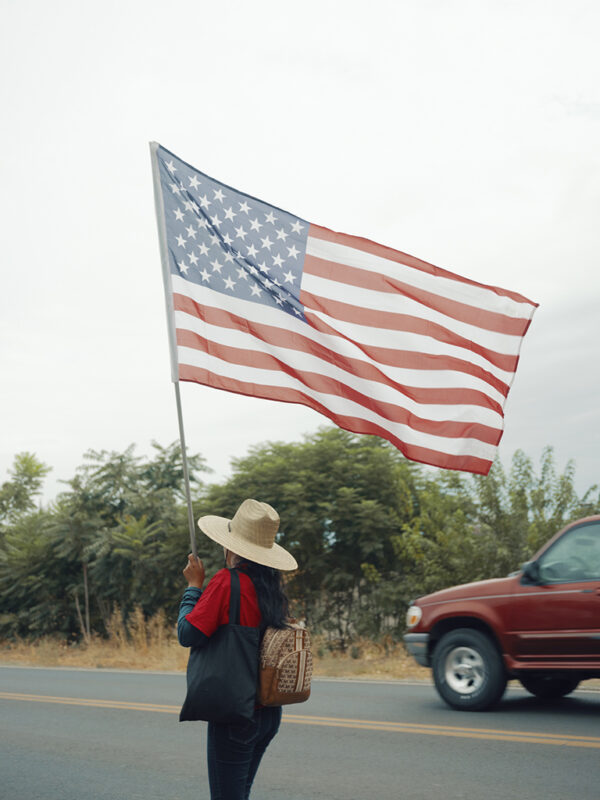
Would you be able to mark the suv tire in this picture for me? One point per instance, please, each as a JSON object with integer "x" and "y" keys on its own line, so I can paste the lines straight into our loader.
{"x": 550, "y": 687}
{"x": 468, "y": 671}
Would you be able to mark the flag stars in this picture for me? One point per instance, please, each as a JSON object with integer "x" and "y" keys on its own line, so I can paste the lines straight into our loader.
{"x": 189, "y": 205}
{"x": 171, "y": 167}
{"x": 242, "y": 231}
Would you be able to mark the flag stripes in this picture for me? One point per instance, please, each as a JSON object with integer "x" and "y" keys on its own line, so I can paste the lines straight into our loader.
{"x": 308, "y": 371}
{"x": 255, "y": 382}
{"x": 384, "y": 322}
{"x": 424, "y": 354}
{"x": 242, "y": 352}
{"x": 490, "y": 320}
{"x": 368, "y": 255}
{"x": 402, "y": 308}
{"x": 356, "y": 424}
{"x": 442, "y": 388}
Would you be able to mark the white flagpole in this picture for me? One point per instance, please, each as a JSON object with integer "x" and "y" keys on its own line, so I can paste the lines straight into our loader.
{"x": 186, "y": 474}
{"x": 164, "y": 257}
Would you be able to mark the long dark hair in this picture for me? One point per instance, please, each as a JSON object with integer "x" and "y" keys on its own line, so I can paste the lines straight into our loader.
{"x": 272, "y": 599}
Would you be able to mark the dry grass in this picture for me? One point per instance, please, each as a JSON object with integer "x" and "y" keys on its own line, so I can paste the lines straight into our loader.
{"x": 367, "y": 659}
{"x": 151, "y": 644}
{"x": 144, "y": 644}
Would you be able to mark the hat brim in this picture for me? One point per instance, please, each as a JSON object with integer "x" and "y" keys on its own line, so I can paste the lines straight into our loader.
{"x": 217, "y": 529}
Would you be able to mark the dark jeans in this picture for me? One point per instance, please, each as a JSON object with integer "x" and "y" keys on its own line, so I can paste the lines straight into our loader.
{"x": 234, "y": 753}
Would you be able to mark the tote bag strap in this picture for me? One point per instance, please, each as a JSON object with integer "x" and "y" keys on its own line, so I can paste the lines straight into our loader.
{"x": 234, "y": 598}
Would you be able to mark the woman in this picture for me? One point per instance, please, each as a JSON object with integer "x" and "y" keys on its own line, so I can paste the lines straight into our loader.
{"x": 248, "y": 540}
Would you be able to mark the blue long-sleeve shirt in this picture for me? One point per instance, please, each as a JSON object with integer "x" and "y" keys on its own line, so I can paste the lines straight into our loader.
{"x": 188, "y": 635}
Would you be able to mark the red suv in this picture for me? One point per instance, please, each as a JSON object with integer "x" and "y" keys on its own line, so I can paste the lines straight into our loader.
{"x": 540, "y": 625}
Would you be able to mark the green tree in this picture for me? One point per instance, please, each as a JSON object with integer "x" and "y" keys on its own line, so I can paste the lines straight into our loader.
{"x": 110, "y": 537}
{"x": 370, "y": 530}
{"x": 32, "y": 591}
{"x": 17, "y": 495}
{"x": 520, "y": 511}
{"x": 440, "y": 545}
{"x": 132, "y": 507}
{"x": 342, "y": 498}
{"x": 554, "y": 502}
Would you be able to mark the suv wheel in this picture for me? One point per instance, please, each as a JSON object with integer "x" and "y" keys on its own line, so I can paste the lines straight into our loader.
{"x": 468, "y": 670}
{"x": 550, "y": 687}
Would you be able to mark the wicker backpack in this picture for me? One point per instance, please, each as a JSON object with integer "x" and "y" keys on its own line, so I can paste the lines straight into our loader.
{"x": 285, "y": 666}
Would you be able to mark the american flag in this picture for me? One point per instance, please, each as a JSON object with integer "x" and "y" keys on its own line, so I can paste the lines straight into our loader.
{"x": 266, "y": 304}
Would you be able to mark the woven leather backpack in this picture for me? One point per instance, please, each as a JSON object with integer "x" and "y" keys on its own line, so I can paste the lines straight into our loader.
{"x": 285, "y": 666}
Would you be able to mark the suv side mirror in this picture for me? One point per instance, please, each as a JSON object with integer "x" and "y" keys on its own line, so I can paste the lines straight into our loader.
{"x": 531, "y": 572}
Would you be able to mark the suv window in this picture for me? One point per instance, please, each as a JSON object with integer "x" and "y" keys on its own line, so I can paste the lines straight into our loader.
{"x": 574, "y": 557}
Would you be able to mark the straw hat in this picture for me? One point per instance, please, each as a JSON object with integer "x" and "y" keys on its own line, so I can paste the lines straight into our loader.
{"x": 250, "y": 534}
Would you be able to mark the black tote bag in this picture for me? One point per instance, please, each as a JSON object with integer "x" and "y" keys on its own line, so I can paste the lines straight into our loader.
{"x": 222, "y": 676}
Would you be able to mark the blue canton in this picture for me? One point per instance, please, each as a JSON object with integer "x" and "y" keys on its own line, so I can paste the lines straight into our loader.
{"x": 230, "y": 242}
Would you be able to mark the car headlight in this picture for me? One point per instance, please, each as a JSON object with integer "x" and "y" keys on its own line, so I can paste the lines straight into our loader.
{"x": 413, "y": 616}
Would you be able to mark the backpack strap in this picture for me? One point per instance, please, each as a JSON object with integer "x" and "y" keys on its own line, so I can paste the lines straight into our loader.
{"x": 234, "y": 598}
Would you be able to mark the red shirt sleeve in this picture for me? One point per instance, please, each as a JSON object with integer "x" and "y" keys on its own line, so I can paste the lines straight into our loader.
{"x": 212, "y": 609}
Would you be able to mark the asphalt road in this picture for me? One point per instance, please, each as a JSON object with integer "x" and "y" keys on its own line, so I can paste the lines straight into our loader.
{"x": 110, "y": 735}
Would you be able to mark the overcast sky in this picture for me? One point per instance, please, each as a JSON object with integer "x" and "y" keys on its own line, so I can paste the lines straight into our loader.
{"x": 464, "y": 133}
